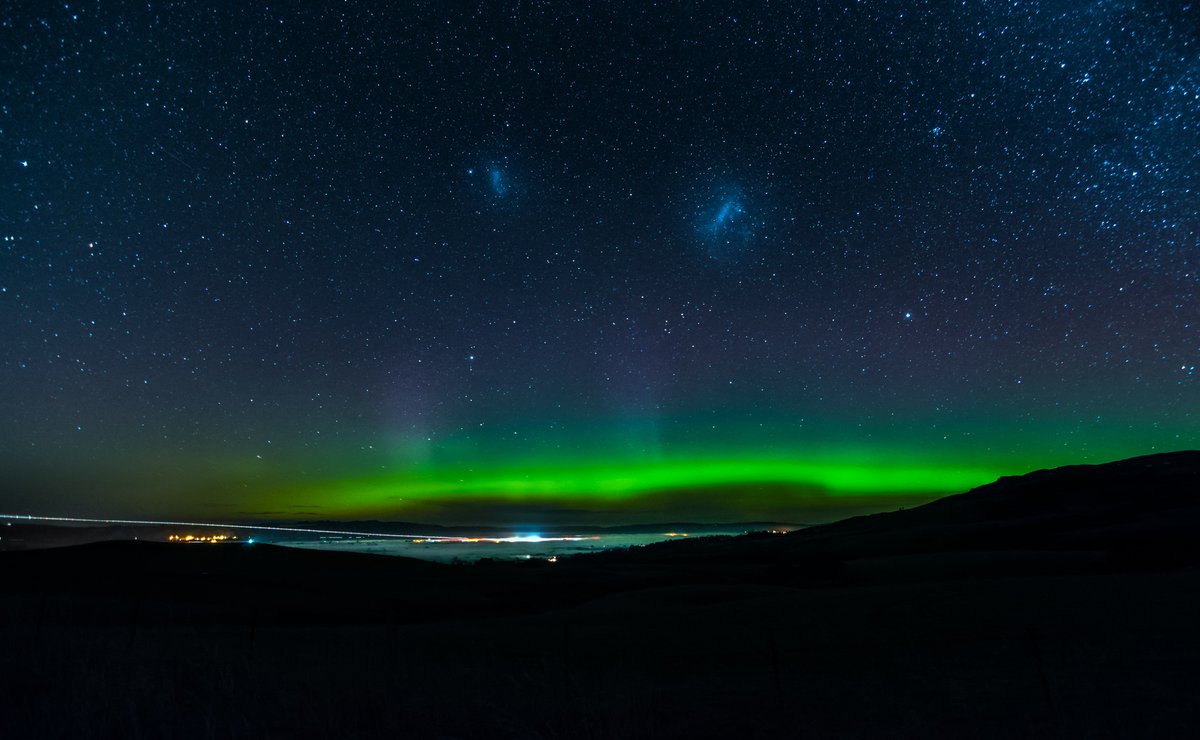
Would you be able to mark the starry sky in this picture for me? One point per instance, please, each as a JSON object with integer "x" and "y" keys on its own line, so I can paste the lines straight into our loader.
{"x": 448, "y": 262}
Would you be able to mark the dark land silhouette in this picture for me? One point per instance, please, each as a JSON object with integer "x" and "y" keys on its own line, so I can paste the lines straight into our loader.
{"x": 1063, "y": 603}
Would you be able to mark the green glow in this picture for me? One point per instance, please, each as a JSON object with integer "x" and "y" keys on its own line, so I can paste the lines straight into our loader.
{"x": 668, "y": 469}
{"x": 619, "y": 482}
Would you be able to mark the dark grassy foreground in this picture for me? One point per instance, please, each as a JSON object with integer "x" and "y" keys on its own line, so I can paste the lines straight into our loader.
{"x": 1064, "y": 603}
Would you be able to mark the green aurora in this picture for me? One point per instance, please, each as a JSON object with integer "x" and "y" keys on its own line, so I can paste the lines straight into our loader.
{"x": 770, "y": 484}
{"x": 613, "y": 471}
{"x": 630, "y": 480}
{"x": 744, "y": 467}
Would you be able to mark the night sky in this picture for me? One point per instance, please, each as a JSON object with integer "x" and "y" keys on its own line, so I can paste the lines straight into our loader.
{"x": 708, "y": 260}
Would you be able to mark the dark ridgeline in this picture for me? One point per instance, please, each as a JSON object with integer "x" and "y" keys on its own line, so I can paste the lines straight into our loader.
{"x": 1144, "y": 509}
{"x": 1059, "y": 603}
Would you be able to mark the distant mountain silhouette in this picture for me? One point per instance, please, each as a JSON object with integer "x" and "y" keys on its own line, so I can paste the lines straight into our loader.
{"x": 1138, "y": 484}
{"x": 1143, "y": 511}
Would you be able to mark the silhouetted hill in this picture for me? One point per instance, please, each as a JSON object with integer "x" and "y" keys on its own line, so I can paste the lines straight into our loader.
{"x": 1125, "y": 488}
{"x": 1140, "y": 512}
{"x": 1149, "y": 503}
